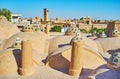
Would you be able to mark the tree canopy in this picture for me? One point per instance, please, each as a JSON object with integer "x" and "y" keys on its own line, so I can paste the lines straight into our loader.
{"x": 81, "y": 18}
{"x": 56, "y": 29}
{"x": 5, "y": 12}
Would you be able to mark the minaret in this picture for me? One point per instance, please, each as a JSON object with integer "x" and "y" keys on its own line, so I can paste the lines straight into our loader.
{"x": 26, "y": 62}
{"x": 76, "y": 63}
{"x": 45, "y": 15}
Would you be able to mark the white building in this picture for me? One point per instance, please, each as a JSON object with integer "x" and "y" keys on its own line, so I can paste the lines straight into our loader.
{"x": 15, "y": 18}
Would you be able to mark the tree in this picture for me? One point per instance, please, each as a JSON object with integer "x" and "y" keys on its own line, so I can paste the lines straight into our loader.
{"x": 56, "y": 29}
{"x": 98, "y": 30}
{"x": 83, "y": 30}
{"x": 93, "y": 30}
{"x": 6, "y": 13}
{"x": 81, "y": 18}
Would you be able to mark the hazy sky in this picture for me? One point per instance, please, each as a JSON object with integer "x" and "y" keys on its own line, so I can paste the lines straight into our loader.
{"x": 97, "y": 9}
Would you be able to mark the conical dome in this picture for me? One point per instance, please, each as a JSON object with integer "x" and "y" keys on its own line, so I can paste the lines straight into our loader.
{"x": 115, "y": 32}
{"x": 114, "y": 61}
{"x": 72, "y": 30}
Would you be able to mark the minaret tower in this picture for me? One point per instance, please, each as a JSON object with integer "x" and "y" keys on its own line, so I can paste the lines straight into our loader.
{"x": 45, "y": 14}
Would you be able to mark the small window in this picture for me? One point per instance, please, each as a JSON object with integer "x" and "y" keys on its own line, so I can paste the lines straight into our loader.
{"x": 28, "y": 27}
{"x": 25, "y": 27}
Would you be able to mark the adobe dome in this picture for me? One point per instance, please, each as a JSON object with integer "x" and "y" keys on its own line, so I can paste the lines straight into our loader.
{"x": 7, "y": 29}
{"x": 72, "y": 30}
{"x": 115, "y": 32}
{"x": 10, "y": 61}
{"x": 39, "y": 41}
{"x": 60, "y": 57}
{"x": 10, "y": 53}
{"x": 3, "y": 18}
{"x": 114, "y": 61}
{"x": 27, "y": 29}
{"x": 76, "y": 38}
{"x": 7, "y": 59}
{"x": 58, "y": 42}
{"x": 64, "y": 40}
{"x": 108, "y": 45}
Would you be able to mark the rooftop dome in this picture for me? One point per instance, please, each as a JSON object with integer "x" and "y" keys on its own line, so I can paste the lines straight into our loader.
{"x": 39, "y": 41}
{"x": 60, "y": 57}
{"x": 77, "y": 38}
{"x": 11, "y": 53}
{"x": 72, "y": 30}
{"x": 27, "y": 29}
{"x": 115, "y": 32}
{"x": 108, "y": 45}
{"x": 10, "y": 60}
{"x": 7, "y": 29}
{"x": 114, "y": 61}
{"x": 58, "y": 42}
{"x": 3, "y": 18}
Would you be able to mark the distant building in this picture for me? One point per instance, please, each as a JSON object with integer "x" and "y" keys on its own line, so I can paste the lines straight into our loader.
{"x": 100, "y": 25}
{"x": 15, "y": 18}
{"x": 87, "y": 20}
{"x": 88, "y": 23}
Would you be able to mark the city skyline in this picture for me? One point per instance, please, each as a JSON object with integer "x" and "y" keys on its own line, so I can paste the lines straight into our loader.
{"x": 97, "y": 9}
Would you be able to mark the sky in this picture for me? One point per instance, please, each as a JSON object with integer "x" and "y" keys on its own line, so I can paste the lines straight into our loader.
{"x": 97, "y": 9}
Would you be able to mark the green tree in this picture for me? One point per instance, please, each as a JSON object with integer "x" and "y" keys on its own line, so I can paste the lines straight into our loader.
{"x": 98, "y": 30}
{"x": 83, "y": 30}
{"x": 93, "y": 30}
{"x": 5, "y": 12}
{"x": 56, "y": 29}
{"x": 81, "y": 18}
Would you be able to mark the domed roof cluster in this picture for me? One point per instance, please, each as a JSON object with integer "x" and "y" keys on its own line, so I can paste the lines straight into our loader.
{"x": 54, "y": 52}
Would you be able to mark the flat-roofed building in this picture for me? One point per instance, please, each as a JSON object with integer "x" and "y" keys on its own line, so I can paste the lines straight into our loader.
{"x": 15, "y": 18}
